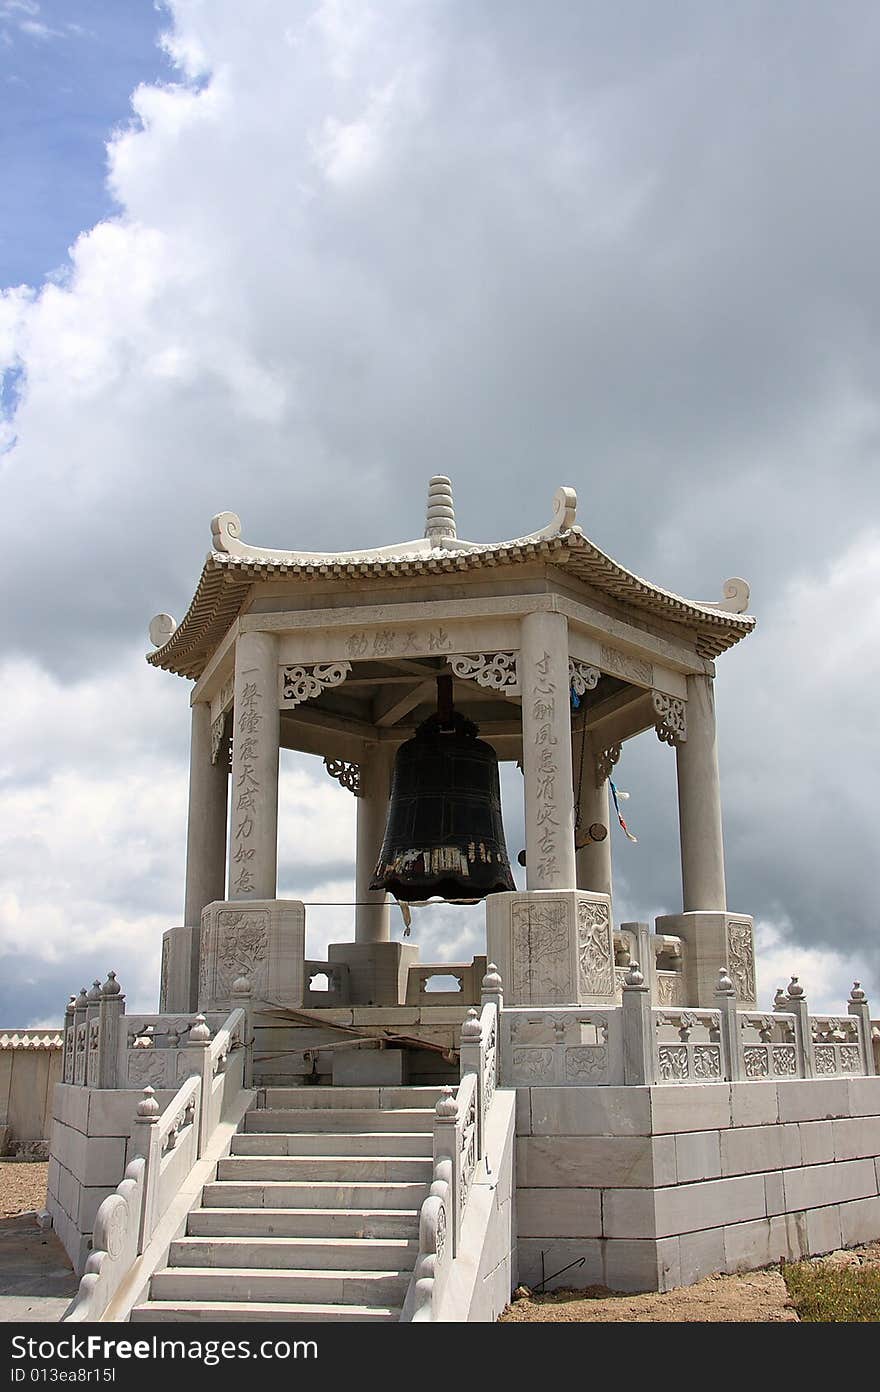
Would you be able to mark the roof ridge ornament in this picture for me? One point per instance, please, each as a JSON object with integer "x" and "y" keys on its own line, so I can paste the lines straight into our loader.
{"x": 440, "y": 521}
{"x": 440, "y": 534}
{"x": 736, "y": 596}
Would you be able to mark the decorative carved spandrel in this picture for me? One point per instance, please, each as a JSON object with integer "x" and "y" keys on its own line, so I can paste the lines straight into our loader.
{"x": 496, "y": 671}
{"x": 605, "y": 761}
{"x": 346, "y": 774}
{"x": 582, "y": 676}
{"x": 671, "y": 713}
{"x": 304, "y": 681}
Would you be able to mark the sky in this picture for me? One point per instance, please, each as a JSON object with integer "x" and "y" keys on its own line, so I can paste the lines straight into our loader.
{"x": 291, "y": 259}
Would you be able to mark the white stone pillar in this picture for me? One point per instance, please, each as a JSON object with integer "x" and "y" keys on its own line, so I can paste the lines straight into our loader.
{"x": 699, "y": 804}
{"x": 373, "y": 912}
{"x": 594, "y": 858}
{"x": 206, "y": 828}
{"x": 253, "y": 840}
{"x": 546, "y": 719}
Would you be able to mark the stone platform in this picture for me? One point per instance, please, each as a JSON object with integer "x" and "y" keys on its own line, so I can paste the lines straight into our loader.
{"x": 656, "y": 1187}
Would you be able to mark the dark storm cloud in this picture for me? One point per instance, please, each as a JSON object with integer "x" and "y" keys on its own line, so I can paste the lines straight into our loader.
{"x": 628, "y": 248}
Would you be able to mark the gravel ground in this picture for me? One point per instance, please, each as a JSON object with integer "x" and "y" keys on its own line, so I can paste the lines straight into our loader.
{"x": 760, "y": 1296}
{"x": 22, "y": 1186}
{"x": 754, "y": 1297}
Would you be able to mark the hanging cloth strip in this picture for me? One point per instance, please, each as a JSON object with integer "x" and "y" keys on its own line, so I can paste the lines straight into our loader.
{"x": 617, "y": 796}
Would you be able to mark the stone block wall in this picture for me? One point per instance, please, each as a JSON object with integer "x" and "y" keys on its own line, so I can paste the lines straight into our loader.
{"x": 30, "y": 1066}
{"x": 90, "y": 1148}
{"x": 656, "y": 1187}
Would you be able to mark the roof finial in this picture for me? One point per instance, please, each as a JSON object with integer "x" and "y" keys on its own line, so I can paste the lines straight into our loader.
{"x": 440, "y": 525}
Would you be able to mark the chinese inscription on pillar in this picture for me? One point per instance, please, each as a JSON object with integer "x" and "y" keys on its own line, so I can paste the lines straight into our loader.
{"x": 544, "y": 697}
{"x": 246, "y": 787}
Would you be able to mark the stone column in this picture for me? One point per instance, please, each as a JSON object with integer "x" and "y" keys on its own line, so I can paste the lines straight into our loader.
{"x": 253, "y": 842}
{"x": 699, "y": 804}
{"x": 206, "y": 827}
{"x": 593, "y": 859}
{"x": 546, "y": 719}
{"x": 373, "y": 911}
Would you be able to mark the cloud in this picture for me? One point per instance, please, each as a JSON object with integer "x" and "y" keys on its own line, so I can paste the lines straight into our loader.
{"x": 357, "y": 244}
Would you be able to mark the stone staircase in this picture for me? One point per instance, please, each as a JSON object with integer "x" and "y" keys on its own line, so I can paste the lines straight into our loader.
{"x": 314, "y": 1215}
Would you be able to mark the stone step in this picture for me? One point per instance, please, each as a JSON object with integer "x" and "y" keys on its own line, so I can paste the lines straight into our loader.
{"x": 347, "y": 1119}
{"x": 341, "y": 1097}
{"x": 341, "y": 1168}
{"x": 198, "y": 1283}
{"x": 304, "y": 1222}
{"x": 397, "y": 1143}
{"x": 296, "y": 1253}
{"x": 229, "y": 1311}
{"x": 318, "y": 1194}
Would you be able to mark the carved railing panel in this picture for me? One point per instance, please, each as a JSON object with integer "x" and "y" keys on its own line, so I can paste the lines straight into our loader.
{"x": 687, "y": 1046}
{"x": 568, "y": 1047}
{"x": 837, "y": 1045}
{"x": 769, "y": 1045}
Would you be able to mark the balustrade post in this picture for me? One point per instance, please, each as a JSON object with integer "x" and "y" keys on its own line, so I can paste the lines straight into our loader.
{"x": 725, "y": 1000}
{"x": 80, "y": 1037}
{"x": 446, "y": 1147}
{"x": 69, "y": 1041}
{"x": 857, "y": 1005}
{"x": 110, "y": 1011}
{"x": 145, "y": 1140}
{"x": 200, "y": 1038}
{"x": 796, "y": 1004}
{"x": 241, "y": 1000}
{"x": 471, "y": 1056}
{"x": 638, "y": 1035}
{"x": 491, "y": 989}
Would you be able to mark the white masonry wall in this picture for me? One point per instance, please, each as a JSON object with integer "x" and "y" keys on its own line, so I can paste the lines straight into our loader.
{"x": 656, "y": 1187}
{"x": 90, "y": 1148}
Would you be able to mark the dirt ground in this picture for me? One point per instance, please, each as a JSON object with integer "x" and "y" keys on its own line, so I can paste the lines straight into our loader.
{"x": 755, "y": 1297}
{"x": 22, "y": 1186}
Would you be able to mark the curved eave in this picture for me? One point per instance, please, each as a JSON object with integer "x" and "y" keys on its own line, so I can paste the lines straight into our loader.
{"x": 226, "y": 580}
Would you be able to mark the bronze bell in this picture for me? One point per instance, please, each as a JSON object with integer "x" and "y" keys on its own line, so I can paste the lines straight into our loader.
{"x": 444, "y": 837}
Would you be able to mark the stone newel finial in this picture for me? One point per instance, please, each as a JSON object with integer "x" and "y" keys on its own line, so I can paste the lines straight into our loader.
{"x": 440, "y": 525}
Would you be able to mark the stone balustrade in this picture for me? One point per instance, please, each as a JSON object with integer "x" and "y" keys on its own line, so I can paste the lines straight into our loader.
{"x": 166, "y": 1145}
{"x": 467, "y": 974}
{"x": 460, "y": 1127}
{"x": 638, "y": 1043}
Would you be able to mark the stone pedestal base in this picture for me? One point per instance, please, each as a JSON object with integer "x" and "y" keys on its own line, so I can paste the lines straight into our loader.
{"x": 179, "y": 989}
{"x": 714, "y": 940}
{"x": 264, "y": 940}
{"x": 656, "y": 1187}
{"x": 377, "y": 971}
{"x": 552, "y": 947}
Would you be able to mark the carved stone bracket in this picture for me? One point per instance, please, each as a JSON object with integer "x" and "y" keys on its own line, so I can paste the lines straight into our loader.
{"x": 349, "y": 775}
{"x": 303, "y": 682}
{"x": 218, "y": 749}
{"x": 671, "y": 723}
{"x": 582, "y": 677}
{"x": 605, "y": 761}
{"x": 498, "y": 671}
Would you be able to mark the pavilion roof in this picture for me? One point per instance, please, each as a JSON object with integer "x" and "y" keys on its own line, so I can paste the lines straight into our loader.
{"x": 233, "y": 566}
